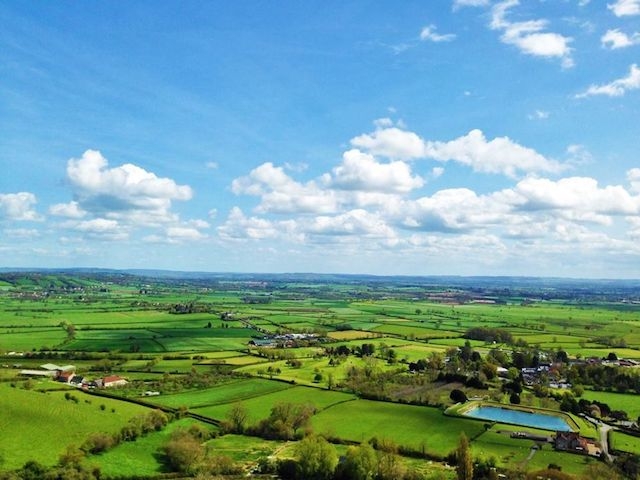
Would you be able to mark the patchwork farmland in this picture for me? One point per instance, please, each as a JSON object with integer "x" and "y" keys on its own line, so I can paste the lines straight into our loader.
{"x": 242, "y": 370}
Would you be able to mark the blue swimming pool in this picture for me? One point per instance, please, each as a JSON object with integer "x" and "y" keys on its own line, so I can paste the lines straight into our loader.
{"x": 520, "y": 417}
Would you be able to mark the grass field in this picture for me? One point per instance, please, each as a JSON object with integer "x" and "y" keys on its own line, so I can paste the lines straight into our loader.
{"x": 624, "y": 443}
{"x": 627, "y": 402}
{"x": 240, "y": 390}
{"x": 260, "y": 407}
{"x": 142, "y": 457}
{"x": 48, "y": 420}
{"x": 131, "y": 324}
{"x": 419, "y": 427}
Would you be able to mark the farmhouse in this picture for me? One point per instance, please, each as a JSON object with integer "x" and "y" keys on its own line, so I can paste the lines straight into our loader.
{"x": 573, "y": 442}
{"x": 66, "y": 377}
{"x": 113, "y": 381}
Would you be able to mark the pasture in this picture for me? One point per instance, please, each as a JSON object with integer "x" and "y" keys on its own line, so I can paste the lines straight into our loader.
{"x": 170, "y": 331}
{"x": 47, "y": 419}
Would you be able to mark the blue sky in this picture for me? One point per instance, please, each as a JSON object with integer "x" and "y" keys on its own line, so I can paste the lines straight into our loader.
{"x": 467, "y": 137}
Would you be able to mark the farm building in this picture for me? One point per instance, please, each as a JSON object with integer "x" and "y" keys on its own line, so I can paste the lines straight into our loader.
{"x": 573, "y": 442}
{"x": 38, "y": 373}
{"x": 65, "y": 377}
{"x": 113, "y": 381}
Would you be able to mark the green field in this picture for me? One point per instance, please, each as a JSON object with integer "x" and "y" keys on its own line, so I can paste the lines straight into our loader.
{"x": 49, "y": 420}
{"x": 189, "y": 340}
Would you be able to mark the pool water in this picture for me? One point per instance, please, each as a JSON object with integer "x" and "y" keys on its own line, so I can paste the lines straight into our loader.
{"x": 519, "y": 417}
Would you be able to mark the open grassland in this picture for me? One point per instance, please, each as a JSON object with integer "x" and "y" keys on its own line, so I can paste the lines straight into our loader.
{"x": 412, "y": 426}
{"x": 142, "y": 457}
{"x": 235, "y": 391}
{"x": 48, "y": 420}
{"x": 624, "y": 443}
{"x": 627, "y": 402}
{"x": 131, "y": 326}
{"x": 260, "y": 407}
{"x": 244, "y": 449}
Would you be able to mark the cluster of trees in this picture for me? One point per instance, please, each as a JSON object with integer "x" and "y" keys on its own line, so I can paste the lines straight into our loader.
{"x": 489, "y": 335}
{"x": 605, "y": 377}
{"x": 568, "y": 403}
{"x": 180, "y": 382}
{"x": 136, "y": 427}
{"x": 185, "y": 452}
{"x": 287, "y": 421}
{"x": 317, "y": 459}
{"x": 190, "y": 307}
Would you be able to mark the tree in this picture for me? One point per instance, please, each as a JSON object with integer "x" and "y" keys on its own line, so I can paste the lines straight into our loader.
{"x": 360, "y": 463}
{"x": 464, "y": 462}
{"x": 457, "y": 396}
{"x": 184, "y": 453}
{"x": 317, "y": 459}
{"x": 237, "y": 416}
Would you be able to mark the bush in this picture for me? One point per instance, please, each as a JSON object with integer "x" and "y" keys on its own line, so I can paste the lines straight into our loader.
{"x": 458, "y": 396}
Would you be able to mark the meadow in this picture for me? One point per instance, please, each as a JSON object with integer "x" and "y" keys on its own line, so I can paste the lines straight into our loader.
{"x": 175, "y": 336}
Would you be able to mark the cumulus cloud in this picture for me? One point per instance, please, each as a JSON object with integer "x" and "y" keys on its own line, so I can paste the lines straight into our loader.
{"x": 616, "y": 88}
{"x": 391, "y": 142}
{"x": 500, "y": 155}
{"x": 18, "y": 206}
{"x": 361, "y": 171}
{"x": 281, "y": 194}
{"x": 530, "y": 36}
{"x": 354, "y": 222}
{"x": 178, "y": 234}
{"x": 103, "y": 229}
{"x": 240, "y": 227}
{"x": 429, "y": 34}
{"x": 574, "y": 194}
{"x": 127, "y": 187}
{"x": 615, "y": 39}
{"x": 450, "y": 210}
{"x": 68, "y": 210}
{"x": 623, "y": 8}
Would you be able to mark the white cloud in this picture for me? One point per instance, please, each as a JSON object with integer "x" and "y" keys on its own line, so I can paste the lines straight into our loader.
{"x": 623, "y": 8}
{"x": 615, "y": 39}
{"x": 361, "y": 171}
{"x": 355, "y": 222}
{"x": 429, "y": 34}
{"x": 616, "y": 88}
{"x": 180, "y": 234}
{"x": 18, "y": 206}
{"x": 22, "y": 233}
{"x": 127, "y": 187}
{"x": 500, "y": 155}
{"x": 196, "y": 223}
{"x": 392, "y": 143}
{"x": 212, "y": 165}
{"x": 451, "y": 210}
{"x": 240, "y": 227}
{"x": 633, "y": 176}
{"x": 529, "y": 37}
{"x": 436, "y": 172}
{"x": 281, "y": 194}
{"x": 69, "y": 210}
{"x": 103, "y": 229}
{"x": 539, "y": 115}
{"x": 469, "y": 3}
{"x": 578, "y": 155}
{"x": 579, "y": 195}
